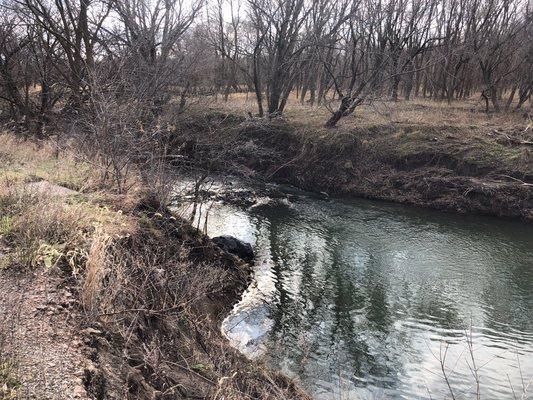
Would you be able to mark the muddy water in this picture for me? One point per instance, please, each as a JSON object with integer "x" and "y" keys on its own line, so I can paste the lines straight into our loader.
{"x": 360, "y": 299}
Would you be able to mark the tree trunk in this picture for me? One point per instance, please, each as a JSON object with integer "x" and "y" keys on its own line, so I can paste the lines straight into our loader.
{"x": 394, "y": 89}
{"x": 510, "y": 99}
{"x": 495, "y": 100}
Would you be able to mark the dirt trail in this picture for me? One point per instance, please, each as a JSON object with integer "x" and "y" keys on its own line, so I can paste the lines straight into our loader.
{"x": 42, "y": 337}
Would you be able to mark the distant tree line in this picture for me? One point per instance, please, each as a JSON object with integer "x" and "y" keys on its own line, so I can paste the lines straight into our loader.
{"x": 354, "y": 50}
{"x": 85, "y": 56}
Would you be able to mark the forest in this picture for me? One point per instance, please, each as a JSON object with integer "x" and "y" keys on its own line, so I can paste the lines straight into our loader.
{"x": 62, "y": 56}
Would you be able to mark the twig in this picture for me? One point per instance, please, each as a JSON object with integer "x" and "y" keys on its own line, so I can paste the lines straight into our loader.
{"x": 442, "y": 366}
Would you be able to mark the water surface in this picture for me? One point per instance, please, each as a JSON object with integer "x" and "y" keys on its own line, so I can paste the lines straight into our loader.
{"x": 360, "y": 299}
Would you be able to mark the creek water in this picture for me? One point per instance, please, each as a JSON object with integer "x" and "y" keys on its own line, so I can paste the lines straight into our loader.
{"x": 361, "y": 299}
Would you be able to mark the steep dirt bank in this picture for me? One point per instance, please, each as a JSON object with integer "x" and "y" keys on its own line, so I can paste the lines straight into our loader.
{"x": 106, "y": 296}
{"x": 445, "y": 168}
{"x": 138, "y": 318}
{"x": 162, "y": 306}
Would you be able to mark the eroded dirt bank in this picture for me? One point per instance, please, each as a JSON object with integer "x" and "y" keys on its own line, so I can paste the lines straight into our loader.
{"x": 440, "y": 167}
{"x": 139, "y": 319}
{"x": 165, "y": 315}
{"x": 111, "y": 296}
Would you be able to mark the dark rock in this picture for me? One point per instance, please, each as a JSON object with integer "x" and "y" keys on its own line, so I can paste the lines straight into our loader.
{"x": 235, "y": 246}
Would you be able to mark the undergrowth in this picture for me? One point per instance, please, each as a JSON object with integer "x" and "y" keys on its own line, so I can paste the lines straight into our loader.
{"x": 150, "y": 287}
{"x": 9, "y": 384}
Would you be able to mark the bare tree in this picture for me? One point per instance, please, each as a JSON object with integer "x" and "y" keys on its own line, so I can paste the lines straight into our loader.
{"x": 495, "y": 25}
{"x": 75, "y": 25}
{"x": 364, "y": 47}
{"x": 341, "y": 54}
{"x": 278, "y": 25}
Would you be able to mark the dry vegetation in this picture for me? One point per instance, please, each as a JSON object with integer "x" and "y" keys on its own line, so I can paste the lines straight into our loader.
{"x": 149, "y": 290}
{"x": 449, "y": 157}
{"x": 466, "y": 113}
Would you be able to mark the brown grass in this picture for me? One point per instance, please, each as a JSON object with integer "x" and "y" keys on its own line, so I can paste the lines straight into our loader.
{"x": 420, "y": 112}
{"x": 39, "y": 230}
{"x": 28, "y": 161}
{"x": 398, "y": 131}
{"x": 152, "y": 287}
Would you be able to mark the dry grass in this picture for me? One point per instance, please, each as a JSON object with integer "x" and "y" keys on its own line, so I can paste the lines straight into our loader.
{"x": 23, "y": 161}
{"x": 419, "y": 130}
{"x": 149, "y": 281}
{"x": 47, "y": 220}
{"x": 38, "y": 230}
{"x": 421, "y": 112}
{"x": 27, "y": 161}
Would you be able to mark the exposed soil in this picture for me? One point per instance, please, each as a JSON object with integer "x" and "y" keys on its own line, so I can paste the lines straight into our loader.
{"x": 446, "y": 168}
{"x": 139, "y": 320}
{"x": 41, "y": 336}
{"x": 158, "y": 319}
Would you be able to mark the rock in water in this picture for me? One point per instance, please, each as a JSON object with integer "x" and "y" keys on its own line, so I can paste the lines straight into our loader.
{"x": 235, "y": 246}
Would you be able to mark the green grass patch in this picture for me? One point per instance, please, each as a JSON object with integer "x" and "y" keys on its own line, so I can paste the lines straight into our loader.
{"x": 6, "y": 224}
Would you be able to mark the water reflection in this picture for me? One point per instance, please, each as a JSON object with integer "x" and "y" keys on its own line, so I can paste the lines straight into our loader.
{"x": 359, "y": 299}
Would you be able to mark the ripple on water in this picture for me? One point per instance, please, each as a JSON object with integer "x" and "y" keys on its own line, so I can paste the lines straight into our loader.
{"x": 362, "y": 299}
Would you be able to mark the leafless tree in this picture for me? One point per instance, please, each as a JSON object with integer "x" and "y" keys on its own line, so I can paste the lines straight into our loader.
{"x": 278, "y": 25}
{"x": 340, "y": 54}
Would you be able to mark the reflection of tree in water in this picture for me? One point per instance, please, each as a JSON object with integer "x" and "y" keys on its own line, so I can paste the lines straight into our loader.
{"x": 301, "y": 314}
{"x": 346, "y": 298}
{"x": 339, "y": 293}
{"x": 444, "y": 313}
{"x": 509, "y": 297}
{"x": 283, "y": 312}
{"x": 378, "y": 313}
{"x": 294, "y": 314}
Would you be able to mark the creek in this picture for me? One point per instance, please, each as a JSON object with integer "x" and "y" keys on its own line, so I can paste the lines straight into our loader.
{"x": 361, "y": 299}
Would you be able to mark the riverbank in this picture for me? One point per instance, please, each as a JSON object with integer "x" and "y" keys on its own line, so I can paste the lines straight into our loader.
{"x": 136, "y": 296}
{"x": 111, "y": 296}
{"x": 481, "y": 164}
